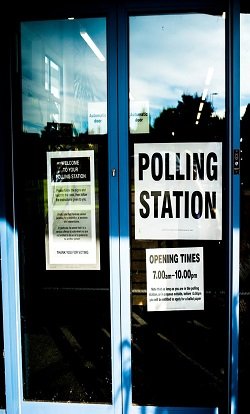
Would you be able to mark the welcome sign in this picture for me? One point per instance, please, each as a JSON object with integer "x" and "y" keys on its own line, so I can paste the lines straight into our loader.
{"x": 71, "y": 240}
{"x": 178, "y": 191}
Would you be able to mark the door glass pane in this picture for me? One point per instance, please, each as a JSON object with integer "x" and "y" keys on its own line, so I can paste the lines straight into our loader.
{"x": 244, "y": 308}
{"x": 178, "y": 255}
{"x": 62, "y": 212}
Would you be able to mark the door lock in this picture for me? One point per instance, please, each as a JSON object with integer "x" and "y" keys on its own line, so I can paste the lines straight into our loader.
{"x": 236, "y": 161}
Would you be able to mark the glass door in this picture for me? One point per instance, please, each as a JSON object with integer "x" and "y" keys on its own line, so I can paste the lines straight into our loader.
{"x": 121, "y": 203}
{"x": 63, "y": 210}
{"x": 177, "y": 213}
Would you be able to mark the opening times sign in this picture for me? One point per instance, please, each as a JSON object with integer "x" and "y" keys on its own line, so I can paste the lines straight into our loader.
{"x": 175, "y": 279}
{"x": 72, "y": 241}
{"x": 178, "y": 191}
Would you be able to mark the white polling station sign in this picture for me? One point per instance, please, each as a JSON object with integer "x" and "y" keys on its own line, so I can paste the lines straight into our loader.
{"x": 178, "y": 190}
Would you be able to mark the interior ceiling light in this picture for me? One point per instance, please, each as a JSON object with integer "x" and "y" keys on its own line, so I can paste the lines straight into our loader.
{"x": 92, "y": 46}
{"x": 201, "y": 106}
{"x": 204, "y": 94}
{"x": 210, "y": 72}
{"x": 205, "y": 91}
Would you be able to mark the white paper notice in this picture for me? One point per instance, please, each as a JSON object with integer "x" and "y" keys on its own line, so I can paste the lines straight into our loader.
{"x": 139, "y": 117}
{"x": 175, "y": 279}
{"x": 97, "y": 118}
{"x": 71, "y": 208}
{"x": 178, "y": 191}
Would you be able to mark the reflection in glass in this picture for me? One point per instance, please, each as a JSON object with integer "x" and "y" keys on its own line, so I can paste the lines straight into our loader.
{"x": 61, "y": 74}
{"x": 179, "y": 357}
{"x": 244, "y": 308}
{"x": 65, "y": 302}
{"x": 173, "y": 63}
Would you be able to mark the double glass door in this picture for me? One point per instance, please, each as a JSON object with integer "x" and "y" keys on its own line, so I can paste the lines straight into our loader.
{"x": 122, "y": 210}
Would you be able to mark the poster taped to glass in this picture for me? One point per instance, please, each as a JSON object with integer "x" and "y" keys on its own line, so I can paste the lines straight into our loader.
{"x": 178, "y": 191}
{"x": 72, "y": 240}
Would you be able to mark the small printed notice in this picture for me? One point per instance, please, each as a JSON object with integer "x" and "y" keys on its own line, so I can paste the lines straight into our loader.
{"x": 71, "y": 241}
{"x": 175, "y": 279}
{"x": 97, "y": 118}
{"x": 139, "y": 117}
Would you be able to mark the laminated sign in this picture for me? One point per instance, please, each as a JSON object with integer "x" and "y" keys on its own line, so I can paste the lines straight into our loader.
{"x": 178, "y": 191}
{"x": 175, "y": 279}
{"x": 71, "y": 240}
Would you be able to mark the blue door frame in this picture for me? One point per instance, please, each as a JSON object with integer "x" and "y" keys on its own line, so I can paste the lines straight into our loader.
{"x": 117, "y": 41}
